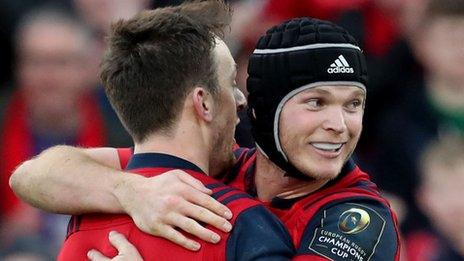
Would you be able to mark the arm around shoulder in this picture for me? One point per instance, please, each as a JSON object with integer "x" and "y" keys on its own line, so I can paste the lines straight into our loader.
{"x": 69, "y": 180}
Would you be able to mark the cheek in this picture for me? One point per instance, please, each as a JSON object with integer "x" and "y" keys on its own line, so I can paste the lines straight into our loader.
{"x": 297, "y": 121}
{"x": 294, "y": 129}
{"x": 230, "y": 102}
{"x": 287, "y": 127}
{"x": 226, "y": 107}
{"x": 354, "y": 124}
{"x": 286, "y": 132}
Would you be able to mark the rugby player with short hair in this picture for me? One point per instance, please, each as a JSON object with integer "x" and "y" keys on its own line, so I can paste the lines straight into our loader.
{"x": 171, "y": 80}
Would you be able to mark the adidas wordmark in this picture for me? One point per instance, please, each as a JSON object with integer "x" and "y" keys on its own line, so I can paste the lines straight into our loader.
{"x": 340, "y": 65}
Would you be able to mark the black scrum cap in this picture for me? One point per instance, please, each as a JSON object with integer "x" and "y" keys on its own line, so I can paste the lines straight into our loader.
{"x": 294, "y": 56}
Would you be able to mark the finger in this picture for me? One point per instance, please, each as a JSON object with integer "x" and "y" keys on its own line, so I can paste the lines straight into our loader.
{"x": 209, "y": 203}
{"x": 188, "y": 179}
{"x": 176, "y": 237}
{"x": 94, "y": 255}
{"x": 120, "y": 242}
{"x": 192, "y": 227}
{"x": 201, "y": 214}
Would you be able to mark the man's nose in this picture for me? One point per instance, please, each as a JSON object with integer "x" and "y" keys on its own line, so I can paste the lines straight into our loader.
{"x": 335, "y": 120}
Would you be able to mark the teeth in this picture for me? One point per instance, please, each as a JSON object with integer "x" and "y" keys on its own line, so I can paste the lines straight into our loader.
{"x": 328, "y": 146}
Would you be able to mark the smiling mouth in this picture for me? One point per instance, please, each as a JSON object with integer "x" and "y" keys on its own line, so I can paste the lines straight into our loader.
{"x": 329, "y": 147}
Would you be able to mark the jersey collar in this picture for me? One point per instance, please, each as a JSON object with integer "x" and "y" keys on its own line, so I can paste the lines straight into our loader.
{"x": 160, "y": 160}
{"x": 281, "y": 203}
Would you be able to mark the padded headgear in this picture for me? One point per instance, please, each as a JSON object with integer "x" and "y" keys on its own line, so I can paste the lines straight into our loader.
{"x": 294, "y": 56}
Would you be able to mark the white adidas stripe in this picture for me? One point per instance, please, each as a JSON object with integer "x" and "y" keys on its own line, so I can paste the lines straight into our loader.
{"x": 345, "y": 63}
{"x": 340, "y": 62}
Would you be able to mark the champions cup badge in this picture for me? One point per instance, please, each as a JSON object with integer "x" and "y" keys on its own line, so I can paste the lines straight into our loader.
{"x": 353, "y": 221}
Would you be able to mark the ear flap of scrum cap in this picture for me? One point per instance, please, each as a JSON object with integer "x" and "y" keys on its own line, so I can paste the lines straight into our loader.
{"x": 299, "y": 52}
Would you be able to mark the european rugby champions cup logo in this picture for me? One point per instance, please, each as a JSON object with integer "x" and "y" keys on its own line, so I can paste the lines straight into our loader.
{"x": 353, "y": 221}
{"x": 340, "y": 65}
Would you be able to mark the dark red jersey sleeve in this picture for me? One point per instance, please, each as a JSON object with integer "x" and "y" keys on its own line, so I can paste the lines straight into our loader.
{"x": 358, "y": 229}
{"x": 257, "y": 233}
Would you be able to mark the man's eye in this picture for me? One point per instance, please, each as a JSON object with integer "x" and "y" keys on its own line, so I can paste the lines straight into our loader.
{"x": 314, "y": 103}
{"x": 355, "y": 104}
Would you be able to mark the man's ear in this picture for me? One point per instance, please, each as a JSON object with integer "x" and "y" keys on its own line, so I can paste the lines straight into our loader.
{"x": 203, "y": 103}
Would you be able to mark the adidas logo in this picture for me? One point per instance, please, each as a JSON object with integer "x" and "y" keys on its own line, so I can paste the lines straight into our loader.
{"x": 340, "y": 65}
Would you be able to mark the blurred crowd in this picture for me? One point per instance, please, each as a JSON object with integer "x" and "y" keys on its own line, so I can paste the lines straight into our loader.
{"x": 413, "y": 137}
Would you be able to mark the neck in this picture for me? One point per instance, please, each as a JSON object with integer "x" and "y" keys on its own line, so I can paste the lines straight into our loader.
{"x": 171, "y": 146}
{"x": 186, "y": 141}
{"x": 271, "y": 182}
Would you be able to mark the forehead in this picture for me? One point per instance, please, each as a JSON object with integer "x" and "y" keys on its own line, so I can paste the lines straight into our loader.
{"x": 334, "y": 90}
{"x": 223, "y": 58}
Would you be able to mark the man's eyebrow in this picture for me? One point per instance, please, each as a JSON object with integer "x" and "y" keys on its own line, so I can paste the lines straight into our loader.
{"x": 356, "y": 93}
{"x": 317, "y": 90}
{"x": 359, "y": 93}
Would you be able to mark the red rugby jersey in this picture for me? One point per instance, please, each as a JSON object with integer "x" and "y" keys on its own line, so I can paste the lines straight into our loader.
{"x": 257, "y": 234}
{"x": 347, "y": 219}
{"x": 319, "y": 223}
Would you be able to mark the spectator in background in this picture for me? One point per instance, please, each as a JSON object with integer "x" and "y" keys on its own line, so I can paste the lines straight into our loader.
{"x": 51, "y": 105}
{"x": 11, "y": 12}
{"x": 439, "y": 195}
{"x": 97, "y": 14}
{"x": 428, "y": 106}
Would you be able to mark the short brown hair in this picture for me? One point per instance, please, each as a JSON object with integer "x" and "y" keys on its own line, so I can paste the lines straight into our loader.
{"x": 154, "y": 59}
